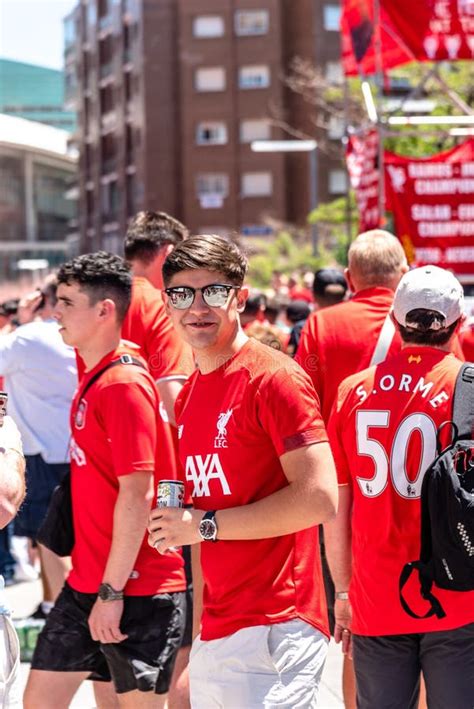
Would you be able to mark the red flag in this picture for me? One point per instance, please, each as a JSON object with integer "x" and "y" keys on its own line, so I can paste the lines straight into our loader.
{"x": 362, "y": 154}
{"x": 432, "y": 201}
{"x": 425, "y": 30}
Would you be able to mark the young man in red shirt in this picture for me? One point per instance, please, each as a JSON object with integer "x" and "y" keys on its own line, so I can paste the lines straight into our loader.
{"x": 258, "y": 467}
{"x": 383, "y": 432}
{"x": 120, "y": 614}
{"x": 150, "y": 238}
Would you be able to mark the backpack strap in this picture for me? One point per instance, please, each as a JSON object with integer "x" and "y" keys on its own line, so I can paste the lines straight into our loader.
{"x": 463, "y": 407}
{"x": 123, "y": 359}
{"x": 422, "y": 566}
{"x": 426, "y": 584}
{"x": 384, "y": 341}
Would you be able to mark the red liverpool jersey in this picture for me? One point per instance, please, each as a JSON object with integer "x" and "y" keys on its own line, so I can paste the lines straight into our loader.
{"x": 383, "y": 435}
{"x": 234, "y": 424}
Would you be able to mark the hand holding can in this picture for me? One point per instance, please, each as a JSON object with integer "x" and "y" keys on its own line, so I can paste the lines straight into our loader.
{"x": 170, "y": 493}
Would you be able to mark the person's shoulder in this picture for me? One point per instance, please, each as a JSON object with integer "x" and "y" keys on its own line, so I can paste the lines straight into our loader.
{"x": 266, "y": 366}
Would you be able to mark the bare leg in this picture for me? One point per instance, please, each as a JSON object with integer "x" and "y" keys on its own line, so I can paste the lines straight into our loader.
{"x": 348, "y": 683}
{"x": 51, "y": 690}
{"x": 54, "y": 570}
{"x": 178, "y": 696}
{"x": 422, "y": 701}
{"x": 105, "y": 695}
{"x": 141, "y": 700}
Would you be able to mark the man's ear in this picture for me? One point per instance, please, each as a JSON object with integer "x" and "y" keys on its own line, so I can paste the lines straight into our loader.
{"x": 107, "y": 308}
{"x": 350, "y": 282}
{"x": 242, "y": 296}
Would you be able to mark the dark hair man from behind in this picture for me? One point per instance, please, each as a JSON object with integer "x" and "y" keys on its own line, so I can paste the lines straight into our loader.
{"x": 329, "y": 287}
{"x": 149, "y": 232}
{"x": 101, "y": 276}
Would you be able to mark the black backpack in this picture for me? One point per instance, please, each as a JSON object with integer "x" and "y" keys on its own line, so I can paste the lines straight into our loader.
{"x": 447, "y": 508}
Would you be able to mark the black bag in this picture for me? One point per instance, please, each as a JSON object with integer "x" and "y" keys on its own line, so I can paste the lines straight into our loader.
{"x": 57, "y": 529}
{"x": 447, "y": 508}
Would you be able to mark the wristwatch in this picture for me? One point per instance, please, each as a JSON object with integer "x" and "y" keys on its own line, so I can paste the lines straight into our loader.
{"x": 342, "y": 596}
{"x": 208, "y": 527}
{"x": 108, "y": 593}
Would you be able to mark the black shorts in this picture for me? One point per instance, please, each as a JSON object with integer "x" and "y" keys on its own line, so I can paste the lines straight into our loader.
{"x": 144, "y": 661}
{"x": 388, "y": 667}
{"x": 41, "y": 478}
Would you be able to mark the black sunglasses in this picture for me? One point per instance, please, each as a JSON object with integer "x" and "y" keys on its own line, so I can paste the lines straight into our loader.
{"x": 215, "y": 295}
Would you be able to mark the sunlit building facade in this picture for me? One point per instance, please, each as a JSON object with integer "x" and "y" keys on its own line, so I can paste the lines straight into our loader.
{"x": 170, "y": 95}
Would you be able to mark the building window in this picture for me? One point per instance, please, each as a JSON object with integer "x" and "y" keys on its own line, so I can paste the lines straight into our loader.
{"x": 332, "y": 18}
{"x": 211, "y": 189}
{"x": 207, "y": 26}
{"x": 53, "y": 210}
{"x": 256, "y": 76}
{"x": 334, "y": 74}
{"x": 337, "y": 183}
{"x": 257, "y": 184}
{"x": 255, "y": 129}
{"x": 210, "y": 79}
{"x": 211, "y": 133}
{"x": 251, "y": 22}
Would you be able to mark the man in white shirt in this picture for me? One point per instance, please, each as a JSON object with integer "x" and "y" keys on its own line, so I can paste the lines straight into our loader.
{"x": 40, "y": 377}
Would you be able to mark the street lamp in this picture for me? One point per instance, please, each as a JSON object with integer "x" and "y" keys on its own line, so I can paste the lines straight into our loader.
{"x": 297, "y": 146}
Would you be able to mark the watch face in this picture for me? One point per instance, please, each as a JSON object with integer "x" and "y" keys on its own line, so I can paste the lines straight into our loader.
{"x": 207, "y": 529}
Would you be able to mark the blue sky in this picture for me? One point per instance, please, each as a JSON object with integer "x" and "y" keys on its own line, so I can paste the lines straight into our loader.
{"x": 32, "y": 30}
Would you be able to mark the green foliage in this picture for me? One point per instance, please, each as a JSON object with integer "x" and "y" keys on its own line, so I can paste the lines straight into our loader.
{"x": 288, "y": 252}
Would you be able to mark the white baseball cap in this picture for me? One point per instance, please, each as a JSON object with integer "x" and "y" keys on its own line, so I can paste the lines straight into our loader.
{"x": 429, "y": 288}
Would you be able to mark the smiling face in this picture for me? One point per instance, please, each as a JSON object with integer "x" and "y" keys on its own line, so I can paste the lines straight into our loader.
{"x": 207, "y": 329}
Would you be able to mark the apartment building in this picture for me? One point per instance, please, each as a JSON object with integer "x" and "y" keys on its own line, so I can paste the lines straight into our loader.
{"x": 171, "y": 93}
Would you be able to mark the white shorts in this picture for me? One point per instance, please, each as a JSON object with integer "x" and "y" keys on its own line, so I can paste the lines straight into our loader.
{"x": 10, "y": 689}
{"x": 263, "y": 666}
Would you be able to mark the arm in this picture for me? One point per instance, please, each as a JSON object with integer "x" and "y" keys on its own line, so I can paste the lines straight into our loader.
{"x": 168, "y": 390}
{"x": 337, "y": 540}
{"x": 130, "y": 519}
{"x": 197, "y": 589}
{"x": 310, "y": 498}
{"x": 12, "y": 471}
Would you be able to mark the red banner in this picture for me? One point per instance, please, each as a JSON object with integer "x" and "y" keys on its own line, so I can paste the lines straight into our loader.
{"x": 362, "y": 154}
{"x": 425, "y": 30}
{"x": 432, "y": 201}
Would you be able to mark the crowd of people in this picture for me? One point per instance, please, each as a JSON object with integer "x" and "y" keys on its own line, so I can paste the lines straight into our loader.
{"x": 300, "y": 421}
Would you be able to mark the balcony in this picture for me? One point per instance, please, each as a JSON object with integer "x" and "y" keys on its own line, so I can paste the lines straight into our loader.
{"x": 108, "y": 121}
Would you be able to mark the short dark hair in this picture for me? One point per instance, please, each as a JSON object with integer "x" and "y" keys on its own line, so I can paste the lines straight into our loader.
{"x": 100, "y": 275}
{"x": 210, "y": 252}
{"x": 149, "y": 232}
{"x": 419, "y": 329}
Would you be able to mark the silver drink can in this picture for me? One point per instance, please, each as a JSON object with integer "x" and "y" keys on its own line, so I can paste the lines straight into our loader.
{"x": 170, "y": 493}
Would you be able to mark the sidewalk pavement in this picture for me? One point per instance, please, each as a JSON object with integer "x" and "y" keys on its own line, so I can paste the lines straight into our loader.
{"x": 23, "y": 599}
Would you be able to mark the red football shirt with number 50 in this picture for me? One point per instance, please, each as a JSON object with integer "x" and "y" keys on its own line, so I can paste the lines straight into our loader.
{"x": 382, "y": 432}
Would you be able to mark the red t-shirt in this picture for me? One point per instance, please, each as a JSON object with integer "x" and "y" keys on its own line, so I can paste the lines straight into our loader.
{"x": 340, "y": 340}
{"x": 116, "y": 429}
{"x": 467, "y": 343}
{"x": 383, "y": 436}
{"x": 147, "y": 325}
{"x": 234, "y": 424}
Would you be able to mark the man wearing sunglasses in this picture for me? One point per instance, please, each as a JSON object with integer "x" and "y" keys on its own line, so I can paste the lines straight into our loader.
{"x": 259, "y": 469}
